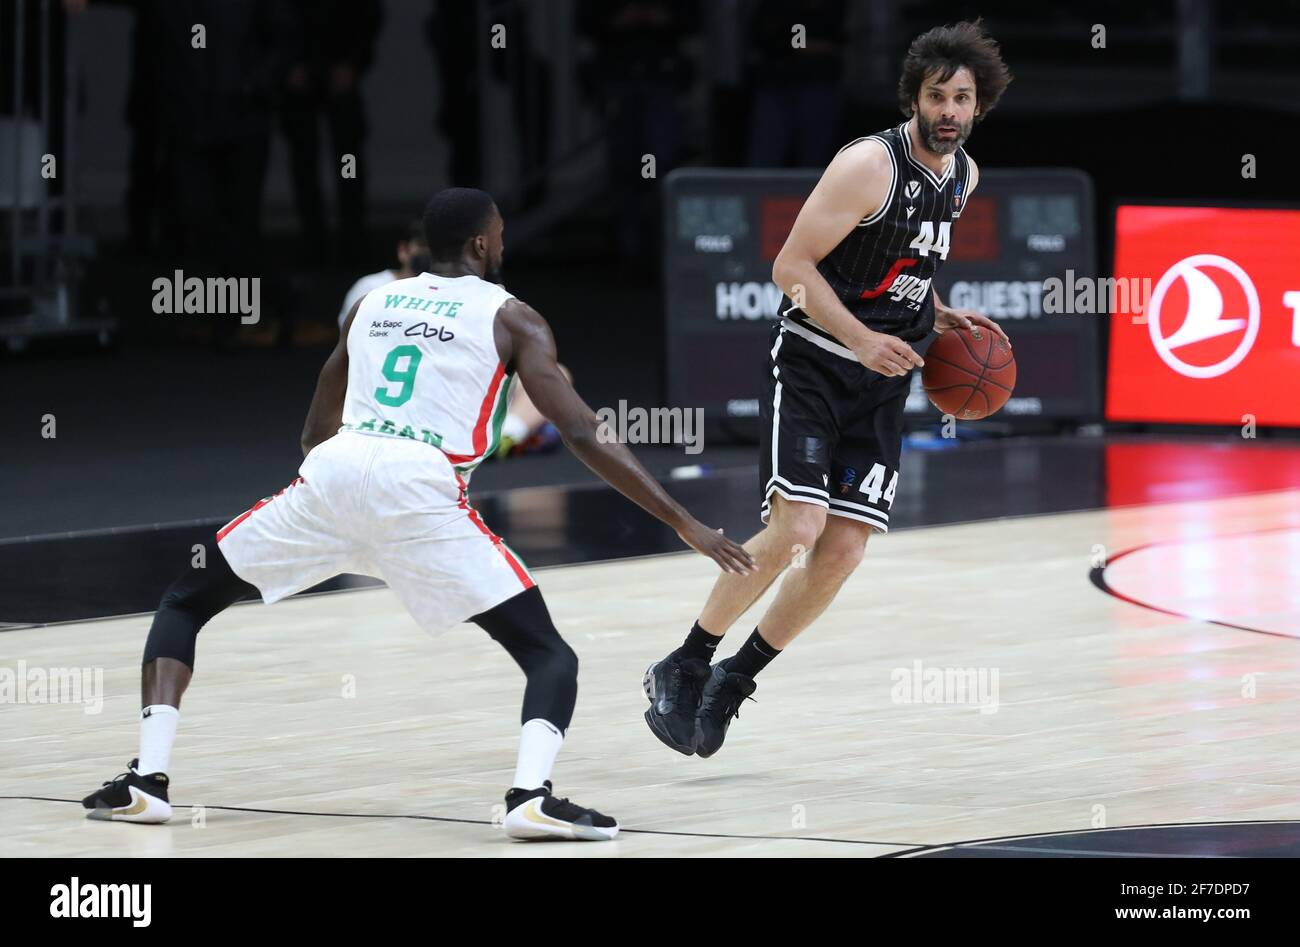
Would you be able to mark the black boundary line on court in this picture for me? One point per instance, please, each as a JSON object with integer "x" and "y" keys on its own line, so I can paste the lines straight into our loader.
{"x": 1098, "y": 578}
{"x": 911, "y": 850}
{"x": 438, "y": 818}
{"x": 979, "y": 842}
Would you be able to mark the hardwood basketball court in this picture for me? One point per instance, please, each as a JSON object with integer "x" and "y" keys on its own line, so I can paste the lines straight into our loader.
{"x": 331, "y": 725}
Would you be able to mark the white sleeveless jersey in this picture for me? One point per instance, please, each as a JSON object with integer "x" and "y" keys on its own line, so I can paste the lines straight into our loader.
{"x": 423, "y": 365}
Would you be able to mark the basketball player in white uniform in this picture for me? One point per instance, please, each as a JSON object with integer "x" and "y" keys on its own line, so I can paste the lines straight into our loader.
{"x": 525, "y": 429}
{"x": 410, "y": 401}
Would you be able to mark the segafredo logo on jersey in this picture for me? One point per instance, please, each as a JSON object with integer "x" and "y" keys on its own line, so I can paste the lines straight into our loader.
{"x": 900, "y": 285}
{"x": 177, "y": 294}
{"x": 74, "y": 899}
{"x": 912, "y": 288}
{"x": 1204, "y": 315}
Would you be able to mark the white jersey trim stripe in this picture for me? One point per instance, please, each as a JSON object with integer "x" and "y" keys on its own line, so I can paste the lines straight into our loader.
{"x": 860, "y": 508}
{"x": 798, "y": 488}
{"x": 777, "y": 488}
{"x": 893, "y": 183}
{"x": 883, "y": 526}
{"x": 833, "y": 347}
{"x": 776, "y": 399}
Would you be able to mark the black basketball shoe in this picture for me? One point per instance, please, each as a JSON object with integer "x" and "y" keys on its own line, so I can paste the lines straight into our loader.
{"x": 536, "y": 814}
{"x": 724, "y": 692}
{"x": 131, "y": 798}
{"x": 674, "y": 688}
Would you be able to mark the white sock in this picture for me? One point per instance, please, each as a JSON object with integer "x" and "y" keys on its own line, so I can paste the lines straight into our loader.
{"x": 539, "y": 743}
{"x": 157, "y": 733}
{"x": 514, "y": 427}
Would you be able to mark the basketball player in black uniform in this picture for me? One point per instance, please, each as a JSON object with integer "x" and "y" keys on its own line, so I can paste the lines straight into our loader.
{"x": 858, "y": 270}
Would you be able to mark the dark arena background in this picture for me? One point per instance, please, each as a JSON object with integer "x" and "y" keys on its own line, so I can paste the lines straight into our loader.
{"x": 1080, "y": 637}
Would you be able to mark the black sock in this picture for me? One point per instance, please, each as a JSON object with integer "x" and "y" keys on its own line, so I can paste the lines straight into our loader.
{"x": 754, "y": 655}
{"x": 699, "y": 644}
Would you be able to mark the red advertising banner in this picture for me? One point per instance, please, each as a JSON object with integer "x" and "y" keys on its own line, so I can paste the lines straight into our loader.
{"x": 1215, "y": 335}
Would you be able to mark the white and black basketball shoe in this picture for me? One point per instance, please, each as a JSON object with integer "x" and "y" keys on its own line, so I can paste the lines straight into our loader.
{"x": 131, "y": 797}
{"x": 535, "y": 814}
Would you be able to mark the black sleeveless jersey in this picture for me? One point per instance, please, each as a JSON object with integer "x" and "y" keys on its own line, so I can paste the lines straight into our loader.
{"x": 882, "y": 271}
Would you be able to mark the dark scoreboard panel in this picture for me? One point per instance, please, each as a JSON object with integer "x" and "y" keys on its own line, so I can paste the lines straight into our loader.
{"x": 723, "y": 229}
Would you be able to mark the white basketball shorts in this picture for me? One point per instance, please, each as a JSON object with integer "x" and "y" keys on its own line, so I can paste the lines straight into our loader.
{"x": 382, "y": 506}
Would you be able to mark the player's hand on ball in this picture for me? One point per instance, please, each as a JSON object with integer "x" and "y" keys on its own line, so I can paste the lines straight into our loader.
{"x": 945, "y": 319}
{"x": 886, "y": 354}
{"x": 732, "y": 557}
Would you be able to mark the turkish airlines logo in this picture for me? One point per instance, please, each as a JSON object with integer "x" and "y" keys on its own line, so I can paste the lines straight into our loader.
{"x": 1205, "y": 316}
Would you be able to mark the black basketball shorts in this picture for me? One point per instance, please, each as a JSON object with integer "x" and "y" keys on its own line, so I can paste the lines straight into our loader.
{"x": 832, "y": 430}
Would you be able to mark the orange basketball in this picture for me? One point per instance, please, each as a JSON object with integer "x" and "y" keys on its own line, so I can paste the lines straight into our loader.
{"x": 969, "y": 373}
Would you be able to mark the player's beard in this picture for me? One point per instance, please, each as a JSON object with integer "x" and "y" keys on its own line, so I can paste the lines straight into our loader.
{"x": 493, "y": 272}
{"x": 942, "y": 146}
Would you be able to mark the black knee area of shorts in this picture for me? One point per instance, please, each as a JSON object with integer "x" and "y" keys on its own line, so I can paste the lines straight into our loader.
{"x": 522, "y": 625}
{"x": 189, "y": 603}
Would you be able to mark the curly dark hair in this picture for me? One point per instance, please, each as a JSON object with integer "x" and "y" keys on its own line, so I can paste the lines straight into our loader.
{"x": 944, "y": 50}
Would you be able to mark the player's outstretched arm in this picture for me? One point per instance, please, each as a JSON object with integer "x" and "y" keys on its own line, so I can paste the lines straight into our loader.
{"x": 855, "y": 185}
{"x": 325, "y": 416}
{"x": 524, "y": 340}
